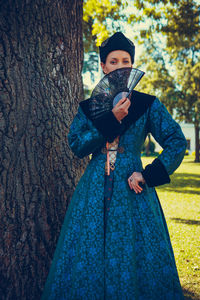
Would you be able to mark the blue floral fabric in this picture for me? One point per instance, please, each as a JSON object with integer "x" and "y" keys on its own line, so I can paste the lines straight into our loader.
{"x": 134, "y": 259}
{"x": 108, "y": 190}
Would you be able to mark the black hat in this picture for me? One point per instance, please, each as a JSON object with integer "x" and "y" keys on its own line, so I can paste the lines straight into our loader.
{"x": 117, "y": 41}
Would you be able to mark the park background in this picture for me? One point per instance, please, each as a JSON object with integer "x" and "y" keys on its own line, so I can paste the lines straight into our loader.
{"x": 46, "y": 48}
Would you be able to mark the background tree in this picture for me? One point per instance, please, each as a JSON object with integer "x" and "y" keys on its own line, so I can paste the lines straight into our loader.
{"x": 179, "y": 23}
{"x": 100, "y": 18}
{"x": 40, "y": 84}
{"x": 157, "y": 80}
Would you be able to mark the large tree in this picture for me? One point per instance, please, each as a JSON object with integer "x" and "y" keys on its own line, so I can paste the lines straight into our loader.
{"x": 40, "y": 84}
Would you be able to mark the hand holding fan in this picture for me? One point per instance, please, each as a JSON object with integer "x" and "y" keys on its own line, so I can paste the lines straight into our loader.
{"x": 112, "y": 87}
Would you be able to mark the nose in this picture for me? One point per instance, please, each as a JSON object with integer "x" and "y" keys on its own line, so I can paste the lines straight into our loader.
{"x": 120, "y": 65}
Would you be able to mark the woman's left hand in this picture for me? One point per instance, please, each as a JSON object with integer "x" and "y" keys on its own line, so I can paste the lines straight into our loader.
{"x": 134, "y": 181}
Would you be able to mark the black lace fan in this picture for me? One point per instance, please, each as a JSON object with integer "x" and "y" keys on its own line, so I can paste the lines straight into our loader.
{"x": 111, "y": 88}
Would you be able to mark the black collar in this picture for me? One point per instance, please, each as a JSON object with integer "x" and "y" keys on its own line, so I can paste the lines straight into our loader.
{"x": 140, "y": 102}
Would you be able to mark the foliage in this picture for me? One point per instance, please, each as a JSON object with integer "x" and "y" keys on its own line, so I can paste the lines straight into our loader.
{"x": 179, "y": 23}
{"x": 100, "y": 19}
{"x": 186, "y": 152}
{"x": 91, "y": 64}
{"x": 157, "y": 80}
{"x": 148, "y": 146}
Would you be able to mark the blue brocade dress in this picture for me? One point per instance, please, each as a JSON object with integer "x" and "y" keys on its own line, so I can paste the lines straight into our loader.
{"x": 133, "y": 259}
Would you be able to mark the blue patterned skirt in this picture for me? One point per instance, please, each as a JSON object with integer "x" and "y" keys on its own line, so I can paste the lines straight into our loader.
{"x": 108, "y": 190}
{"x": 112, "y": 262}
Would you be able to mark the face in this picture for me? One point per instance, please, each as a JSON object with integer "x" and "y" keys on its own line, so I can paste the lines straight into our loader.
{"x": 116, "y": 60}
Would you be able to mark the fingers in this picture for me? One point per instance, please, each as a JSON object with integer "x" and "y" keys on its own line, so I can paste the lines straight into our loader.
{"x": 124, "y": 105}
{"x": 122, "y": 100}
{"x": 120, "y": 110}
{"x": 125, "y": 102}
{"x": 134, "y": 180}
{"x": 138, "y": 188}
{"x": 135, "y": 186}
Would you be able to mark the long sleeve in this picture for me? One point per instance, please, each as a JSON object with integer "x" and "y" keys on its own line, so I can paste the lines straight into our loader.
{"x": 168, "y": 134}
{"x": 84, "y": 138}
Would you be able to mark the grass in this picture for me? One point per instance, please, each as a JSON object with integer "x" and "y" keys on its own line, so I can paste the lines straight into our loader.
{"x": 181, "y": 204}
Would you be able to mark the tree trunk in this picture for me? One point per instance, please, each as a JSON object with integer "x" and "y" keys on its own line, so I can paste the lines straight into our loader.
{"x": 148, "y": 145}
{"x": 196, "y": 128}
{"x": 197, "y": 145}
{"x": 40, "y": 84}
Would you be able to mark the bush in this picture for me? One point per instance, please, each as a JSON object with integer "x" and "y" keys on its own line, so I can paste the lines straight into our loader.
{"x": 186, "y": 152}
{"x": 151, "y": 154}
{"x": 193, "y": 153}
{"x": 151, "y": 147}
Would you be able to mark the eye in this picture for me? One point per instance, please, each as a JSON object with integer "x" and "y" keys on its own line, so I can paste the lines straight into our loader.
{"x": 112, "y": 62}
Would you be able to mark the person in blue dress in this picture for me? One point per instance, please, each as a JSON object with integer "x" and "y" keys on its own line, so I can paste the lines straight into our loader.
{"x": 114, "y": 242}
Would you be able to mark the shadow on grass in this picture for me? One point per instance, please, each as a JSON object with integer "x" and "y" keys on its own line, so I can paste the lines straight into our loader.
{"x": 190, "y": 295}
{"x": 181, "y": 181}
{"x": 186, "y": 221}
{"x": 192, "y": 161}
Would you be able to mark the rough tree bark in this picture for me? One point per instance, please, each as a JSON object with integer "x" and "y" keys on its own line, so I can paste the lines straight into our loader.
{"x": 40, "y": 84}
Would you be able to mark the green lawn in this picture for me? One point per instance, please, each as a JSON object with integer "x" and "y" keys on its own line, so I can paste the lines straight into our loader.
{"x": 181, "y": 204}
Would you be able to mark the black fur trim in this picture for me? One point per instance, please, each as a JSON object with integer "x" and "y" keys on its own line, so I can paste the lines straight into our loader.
{"x": 111, "y": 128}
{"x": 155, "y": 174}
{"x": 108, "y": 125}
{"x": 140, "y": 102}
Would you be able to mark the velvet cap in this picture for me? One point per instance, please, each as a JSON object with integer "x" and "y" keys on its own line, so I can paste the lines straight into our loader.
{"x": 117, "y": 41}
